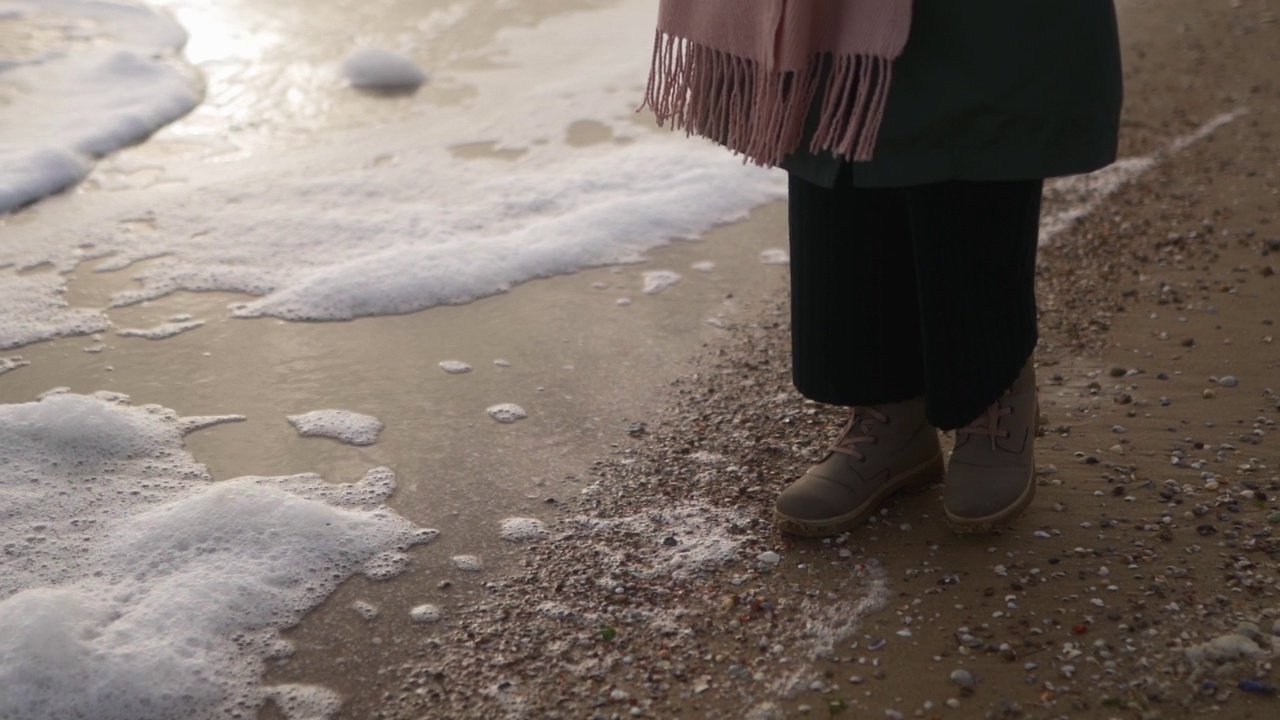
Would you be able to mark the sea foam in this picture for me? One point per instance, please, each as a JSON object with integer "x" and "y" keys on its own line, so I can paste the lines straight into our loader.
{"x": 136, "y": 588}
{"x": 330, "y": 234}
{"x": 344, "y": 425}
{"x": 78, "y": 100}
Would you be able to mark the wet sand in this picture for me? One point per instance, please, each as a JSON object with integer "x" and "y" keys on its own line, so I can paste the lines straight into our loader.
{"x": 685, "y": 430}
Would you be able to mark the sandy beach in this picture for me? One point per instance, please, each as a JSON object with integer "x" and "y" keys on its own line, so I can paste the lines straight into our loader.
{"x": 1141, "y": 584}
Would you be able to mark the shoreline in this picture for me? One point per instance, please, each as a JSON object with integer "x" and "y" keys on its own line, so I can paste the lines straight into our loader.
{"x": 1136, "y": 586}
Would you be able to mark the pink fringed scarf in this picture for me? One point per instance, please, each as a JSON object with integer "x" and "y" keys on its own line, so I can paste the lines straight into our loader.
{"x": 744, "y": 73}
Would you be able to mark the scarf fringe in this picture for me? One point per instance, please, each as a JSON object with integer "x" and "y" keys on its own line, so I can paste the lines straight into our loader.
{"x": 761, "y": 112}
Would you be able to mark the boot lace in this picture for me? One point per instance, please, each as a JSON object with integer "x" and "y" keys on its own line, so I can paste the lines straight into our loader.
{"x": 857, "y": 431}
{"x": 988, "y": 423}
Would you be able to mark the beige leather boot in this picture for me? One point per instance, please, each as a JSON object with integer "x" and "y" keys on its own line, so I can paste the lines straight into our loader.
{"x": 881, "y": 450}
{"x": 991, "y": 476}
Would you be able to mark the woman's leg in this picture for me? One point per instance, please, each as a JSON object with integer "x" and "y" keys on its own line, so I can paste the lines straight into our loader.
{"x": 975, "y": 258}
{"x": 855, "y": 332}
{"x": 856, "y": 341}
{"x": 975, "y": 248}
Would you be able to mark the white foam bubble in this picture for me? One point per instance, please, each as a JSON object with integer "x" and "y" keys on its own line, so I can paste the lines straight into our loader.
{"x": 704, "y": 266}
{"x": 426, "y": 613}
{"x": 366, "y": 610}
{"x": 454, "y": 367}
{"x": 655, "y": 281}
{"x": 506, "y": 412}
{"x": 775, "y": 256}
{"x": 136, "y": 588}
{"x": 344, "y": 425}
{"x": 100, "y": 76}
{"x": 466, "y": 563}
{"x": 305, "y": 702}
{"x": 373, "y": 67}
{"x": 34, "y": 310}
{"x": 161, "y": 331}
{"x": 385, "y": 565}
{"x": 521, "y": 529}
{"x": 12, "y": 363}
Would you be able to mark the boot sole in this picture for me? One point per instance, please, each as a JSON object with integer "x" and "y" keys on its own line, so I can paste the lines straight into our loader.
{"x": 917, "y": 479}
{"x": 967, "y": 525}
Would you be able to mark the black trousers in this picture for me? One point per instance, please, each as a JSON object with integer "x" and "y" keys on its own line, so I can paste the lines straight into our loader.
{"x": 902, "y": 292}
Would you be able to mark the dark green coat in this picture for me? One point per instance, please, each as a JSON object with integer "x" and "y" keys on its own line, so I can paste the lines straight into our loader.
{"x": 994, "y": 90}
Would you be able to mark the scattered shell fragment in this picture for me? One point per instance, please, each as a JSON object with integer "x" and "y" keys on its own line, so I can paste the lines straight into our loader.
{"x": 963, "y": 678}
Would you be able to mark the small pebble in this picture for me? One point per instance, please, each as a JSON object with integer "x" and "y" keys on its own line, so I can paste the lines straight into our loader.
{"x": 1228, "y": 381}
{"x": 963, "y": 678}
{"x": 1253, "y": 686}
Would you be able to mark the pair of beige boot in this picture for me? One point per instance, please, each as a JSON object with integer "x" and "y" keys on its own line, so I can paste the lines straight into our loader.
{"x": 889, "y": 448}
